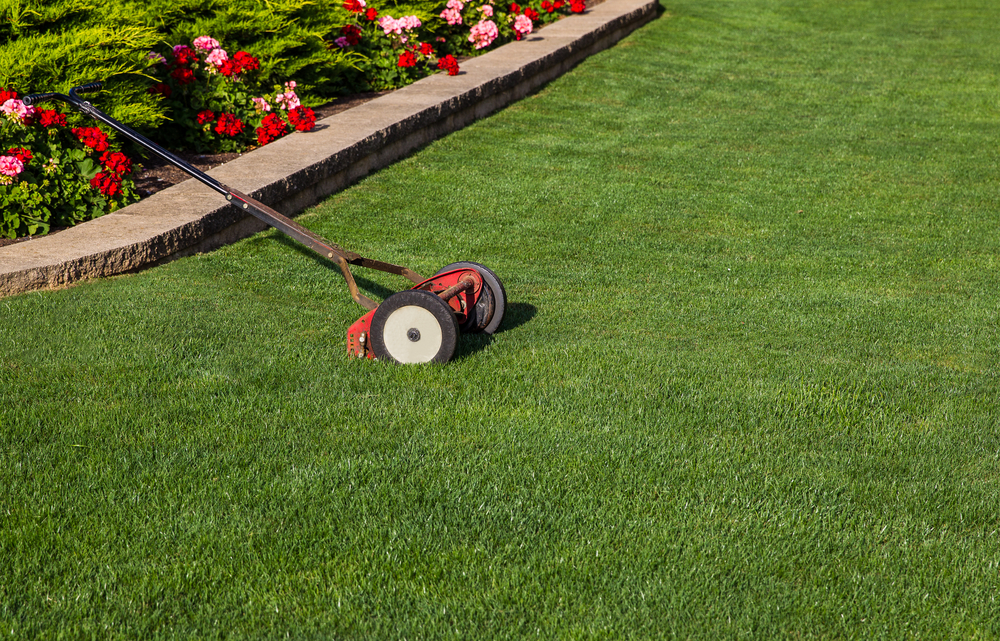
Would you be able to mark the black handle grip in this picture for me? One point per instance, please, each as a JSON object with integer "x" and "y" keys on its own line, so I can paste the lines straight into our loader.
{"x": 87, "y": 88}
{"x": 35, "y": 98}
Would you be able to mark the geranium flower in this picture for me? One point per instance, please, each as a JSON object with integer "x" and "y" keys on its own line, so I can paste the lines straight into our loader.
{"x": 205, "y": 116}
{"x": 206, "y": 43}
{"x": 577, "y": 6}
{"x": 92, "y": 137}
{"x": 184, "y": 55}
{"x": 531, "y": 13}
{"x": 16, "y": 110}
{"x": 451, "y": 16}
{"x": 246, "y": 62}
{"x": 483, "y": 33}
{"x": 51, "y": 117}
{"x": 116, "y": 162}
{"x": 271, "y": 128}
{"x": 371, "y": 14}
{"x": 22, "y": 154}
{"x": 342, "y": 42}
{"x": 407, "y": 59}
{"x": 456, "y": 5}
{"x": 108, "y": 183}
{"x": 288, "y": 99}
{"x": 10, "y": 166}
{"x": 182, "y": 75}
{"x": 354, "y": 6}
{"x": 261, "y": 104}
{"x": 6, "y": 95}
{"x": 522, "y": 26}
{"x": 302, "y": 118}
{"x": 449, "y": 64}
{"x": 156, "y": 58}
{"x": 487, "y": 10}
{"x": 515, "y": 8}
{"x": 217, "y": 57}
{"x": 229, "y": 125}
{"x": 426, "y": 49}
{"x": 351, "y": 33}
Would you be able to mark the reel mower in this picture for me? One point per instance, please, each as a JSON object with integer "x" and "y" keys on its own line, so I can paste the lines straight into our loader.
{"x": 418, "y": 325}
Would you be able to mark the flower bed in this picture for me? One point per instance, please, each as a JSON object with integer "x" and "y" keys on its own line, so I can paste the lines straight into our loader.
{"x": 56, "y": 174}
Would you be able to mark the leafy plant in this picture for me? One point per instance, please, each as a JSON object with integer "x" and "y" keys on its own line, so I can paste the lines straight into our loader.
{"x": 216, "y": 102}
{"x": 53, "y": 175}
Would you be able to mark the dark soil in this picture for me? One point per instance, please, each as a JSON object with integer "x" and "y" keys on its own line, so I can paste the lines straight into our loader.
{"x": 157, "y": 174}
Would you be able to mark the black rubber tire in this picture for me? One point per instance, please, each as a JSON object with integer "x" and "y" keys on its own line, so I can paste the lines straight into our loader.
{"x": 485, "y": 320}
{"x": 400, "y": 315}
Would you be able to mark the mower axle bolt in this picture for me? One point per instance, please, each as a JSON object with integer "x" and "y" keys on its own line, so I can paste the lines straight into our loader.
{"x": 413, "y": 334}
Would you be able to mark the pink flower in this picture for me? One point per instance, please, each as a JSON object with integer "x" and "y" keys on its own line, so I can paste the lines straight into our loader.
{"x": 456, "y": 5}
{"x": 10, "y": 166}
{"x": 487, "y": 10}
{"x": 390, "y": 25}
{"x": 288, "y": 100}
{"x": 522, "y": 26}
{"x": 206, "y": 43}
{"x": 17, "y": 110}
{"x": 483, "y": 33}
{"x": 179, "y": 48}
{"x": 451, "y": 16}
{"x": 261, "y": 104}
{"x": 342, "y": 42}
{"x": 155, "y": 57}
{"x": 410, "y": 22}
{"x": 217, "y": 57}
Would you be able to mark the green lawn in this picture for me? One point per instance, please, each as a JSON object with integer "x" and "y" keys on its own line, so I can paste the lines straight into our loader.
{"x": 747, "y": 385}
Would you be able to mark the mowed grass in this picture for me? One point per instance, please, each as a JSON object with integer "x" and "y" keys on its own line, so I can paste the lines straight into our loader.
{"x": 747, "y": 384}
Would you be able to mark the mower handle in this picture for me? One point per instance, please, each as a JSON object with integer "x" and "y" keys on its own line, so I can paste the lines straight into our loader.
{"x": 72, "y": 98}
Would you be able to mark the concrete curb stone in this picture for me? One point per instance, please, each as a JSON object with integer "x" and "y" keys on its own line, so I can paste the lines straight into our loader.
{"x": 299, "y": 170}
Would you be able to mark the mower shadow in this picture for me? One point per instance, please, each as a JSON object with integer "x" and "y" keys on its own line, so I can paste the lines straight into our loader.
{"x": 367, "y": 286}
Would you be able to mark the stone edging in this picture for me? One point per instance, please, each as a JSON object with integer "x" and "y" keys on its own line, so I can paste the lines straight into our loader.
{"x": 299, "y": 170}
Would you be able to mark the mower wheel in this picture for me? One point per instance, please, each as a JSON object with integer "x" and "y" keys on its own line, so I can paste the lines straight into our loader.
{"x": 488, "y": 312}
{"x": 414, "y": 326}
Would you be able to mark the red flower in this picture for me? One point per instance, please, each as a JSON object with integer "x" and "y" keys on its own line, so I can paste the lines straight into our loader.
{"x": 229, "y": 125}
{"x": 547, "y": 6}
{"x": 271, "y": 128}
{"x": 559, "y": 4}
{"x": 116, "y": 162}
{"x": 92, "y": 137}
{"x": 6, "y": 95}
{"x": 50, "y": 118}
{"x": 229, "y": 68}
{"x": 515, "y": 8}
{"x": 204, "y": 116}
{"x": 531, "y": 13}
{"x": 352, "y": 33}
{"x": 245, "y": 62}
{"x": 353, "y": 6}
{"x": 108, "y": 183}
{"x": 22, "y": 154}
{"x": 184, "y": 56}
{"x": 183, "y": 75}
{"x": 407, "y": 59}
{"x": 371, "y": 14}
{"x": 577, "y": 6}
{"x": 161, "y": 88}
{"x": 426, "y": 49}
{"x": 449, "y": 64}
{"x": 302, "y": 118}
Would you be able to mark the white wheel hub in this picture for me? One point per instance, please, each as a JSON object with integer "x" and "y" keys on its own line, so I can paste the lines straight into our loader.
{"x": 412, "y": 335}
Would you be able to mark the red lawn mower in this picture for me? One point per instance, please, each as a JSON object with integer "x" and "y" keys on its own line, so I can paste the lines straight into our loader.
{"x": 418, "y": 325}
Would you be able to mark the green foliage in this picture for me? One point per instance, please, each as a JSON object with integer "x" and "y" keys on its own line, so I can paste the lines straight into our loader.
{"x": 54, "y": 187}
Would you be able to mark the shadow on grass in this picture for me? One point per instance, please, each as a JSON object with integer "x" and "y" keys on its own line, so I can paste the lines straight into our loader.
{"x": 366, "y": 286}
